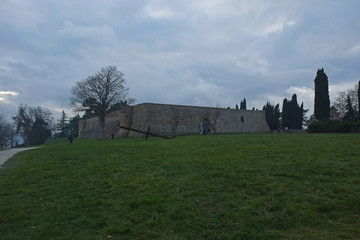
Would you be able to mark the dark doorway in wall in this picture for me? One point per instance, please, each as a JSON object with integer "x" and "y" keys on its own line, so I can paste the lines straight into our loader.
{"x": 206, "y": 126}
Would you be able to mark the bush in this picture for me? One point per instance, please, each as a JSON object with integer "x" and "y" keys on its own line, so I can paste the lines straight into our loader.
{"x": 334, "y": 126}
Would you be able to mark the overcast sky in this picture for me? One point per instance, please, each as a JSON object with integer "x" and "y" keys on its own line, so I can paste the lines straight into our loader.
{"x": 199, "y": 52}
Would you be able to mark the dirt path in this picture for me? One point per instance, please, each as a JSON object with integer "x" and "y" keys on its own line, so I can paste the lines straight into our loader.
{"x": 7, "y": 154}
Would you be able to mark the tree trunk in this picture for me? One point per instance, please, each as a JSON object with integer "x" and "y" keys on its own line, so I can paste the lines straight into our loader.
{"x": 102, "y": 125}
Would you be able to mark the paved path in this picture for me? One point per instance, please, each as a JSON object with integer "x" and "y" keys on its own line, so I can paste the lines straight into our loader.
{"x": 7, "y": 154}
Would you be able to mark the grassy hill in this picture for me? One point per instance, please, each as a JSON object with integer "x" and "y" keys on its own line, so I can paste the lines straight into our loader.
{"x": 247, "y": 186}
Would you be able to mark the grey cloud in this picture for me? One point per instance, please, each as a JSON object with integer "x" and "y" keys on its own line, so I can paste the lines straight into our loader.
{"x": 180, "y": 52}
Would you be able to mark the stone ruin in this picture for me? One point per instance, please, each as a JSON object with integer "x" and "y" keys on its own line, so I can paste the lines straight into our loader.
{"x": 171, "y": 120}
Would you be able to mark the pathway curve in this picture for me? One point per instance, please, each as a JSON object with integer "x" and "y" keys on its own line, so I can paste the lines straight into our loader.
{"x": 7, "y": 154}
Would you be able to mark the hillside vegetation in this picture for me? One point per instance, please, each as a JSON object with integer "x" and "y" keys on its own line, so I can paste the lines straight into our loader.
{"x": 244, "y": 186}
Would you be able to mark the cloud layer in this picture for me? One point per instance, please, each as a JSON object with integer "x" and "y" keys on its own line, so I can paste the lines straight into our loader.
{"x": 179, "y": 52}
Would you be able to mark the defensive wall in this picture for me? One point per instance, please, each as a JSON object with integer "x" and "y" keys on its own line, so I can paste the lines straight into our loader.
{"x": 166, "y": 119}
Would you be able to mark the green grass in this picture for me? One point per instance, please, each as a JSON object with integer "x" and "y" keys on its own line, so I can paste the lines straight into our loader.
{"x": 247, "y": 186}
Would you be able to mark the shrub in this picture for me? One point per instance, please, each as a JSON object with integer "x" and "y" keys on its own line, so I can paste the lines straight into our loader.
{"x": 334, "y": 126}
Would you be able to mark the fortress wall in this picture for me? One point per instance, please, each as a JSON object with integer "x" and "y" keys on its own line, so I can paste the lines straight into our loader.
{"x": 90, "y": 128}
{"x": 168, "y": 119}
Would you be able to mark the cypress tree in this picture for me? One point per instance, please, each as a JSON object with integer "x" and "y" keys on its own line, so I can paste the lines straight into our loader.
{"x": 285, "y": 114}
{"x": 322, "y": 100}
{"x": 292, "y": 114}
{"x": 272, "y": 115}
{"x": 243, "y": 104}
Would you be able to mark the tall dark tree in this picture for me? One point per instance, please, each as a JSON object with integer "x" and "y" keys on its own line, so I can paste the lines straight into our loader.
{"x": 62, "y": 127}
{"x": 243, "y": 104}
{"x": 74, "y": 125}
{"x": 285, "y": 114}
{"x": 272, "y": 115}
{"x": 98, "y": 92}
{"x": 322, "y": 100}
{"x": 40, "y": 131}
{"x": 6, "y": 132}
{"x": 292, "y": 114}
{"x": 33, "y": 124}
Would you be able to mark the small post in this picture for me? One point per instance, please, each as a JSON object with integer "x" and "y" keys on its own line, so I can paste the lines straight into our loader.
{"x": 147, "y": 132}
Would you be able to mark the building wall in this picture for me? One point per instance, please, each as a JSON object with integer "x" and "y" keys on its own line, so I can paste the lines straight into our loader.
{"x": 168, "y": 119}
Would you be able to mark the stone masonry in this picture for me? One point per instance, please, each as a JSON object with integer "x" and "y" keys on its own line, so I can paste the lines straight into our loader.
{"x": 171, "y": 120}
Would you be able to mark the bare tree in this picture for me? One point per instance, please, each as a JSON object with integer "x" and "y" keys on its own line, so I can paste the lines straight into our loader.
{"x": 175, "y": 121}
{"x": 339, "y": 106}
{"x": 217, "y": 114}
{"x": 6, "y": 132}
{"x": 98, "y": 92}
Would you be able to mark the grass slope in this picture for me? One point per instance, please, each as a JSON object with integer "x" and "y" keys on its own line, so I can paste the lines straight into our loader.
{"x": 258, "y": 186}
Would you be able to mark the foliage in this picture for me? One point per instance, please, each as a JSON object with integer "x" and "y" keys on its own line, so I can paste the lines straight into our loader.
{"x": 339, "y": 107}
{"x": 334, "y": 126}
{"x": 88, "y": 114}
{"x": 246, "y": 186}
{"x": 33, "y": 124}
{"x": 322, "y": 100}
{"x": 98, "y": 92}
{"x": 349, "y": 110}
{"x": 117, "y": 106}
{"x": 62, "y": 127}
{"x": 7, "y": 133}
{"x": 292, "y": 115}
{"x": 272, "y": 115}
{"x": 243, "y": 104}
{"x": 40, "y": 132}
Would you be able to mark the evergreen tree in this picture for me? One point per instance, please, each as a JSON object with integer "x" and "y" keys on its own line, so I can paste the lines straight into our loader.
{"x": 322, "y": 101}
{"x": 292, "y": 114}
{"x": 237, "y": 107}
{"x": 350, "y": 113}
{"x": 243, "y": 104}
{"x": 62, "y": 126}
{"x": 272, "y": 115}
{"x": 285, "y": 114}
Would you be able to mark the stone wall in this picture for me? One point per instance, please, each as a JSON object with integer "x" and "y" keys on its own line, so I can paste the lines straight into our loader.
{"x": 168, "y": 119}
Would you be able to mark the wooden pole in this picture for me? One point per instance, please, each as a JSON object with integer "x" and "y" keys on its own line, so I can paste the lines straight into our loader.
{"x": 147, "y": 133}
